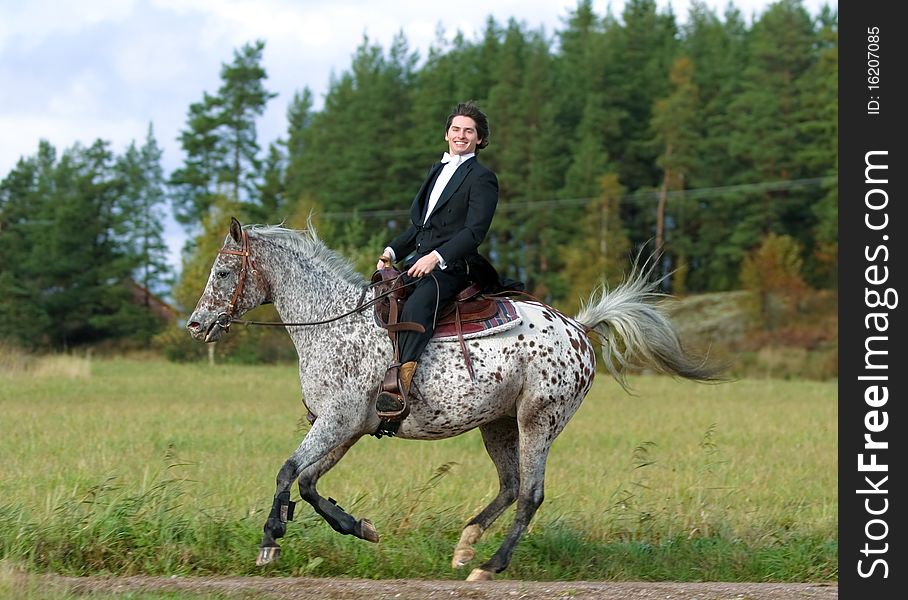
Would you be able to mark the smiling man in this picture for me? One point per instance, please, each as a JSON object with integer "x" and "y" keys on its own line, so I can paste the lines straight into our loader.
{"x": 449, "y": 218}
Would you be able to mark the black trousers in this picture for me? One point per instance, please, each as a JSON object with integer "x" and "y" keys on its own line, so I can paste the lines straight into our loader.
{"x": 421, "y": 307}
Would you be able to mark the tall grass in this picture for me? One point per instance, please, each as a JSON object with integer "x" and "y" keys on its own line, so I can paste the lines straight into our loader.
{"x": 149, "y": 467}
{"x": 15, "y": 362}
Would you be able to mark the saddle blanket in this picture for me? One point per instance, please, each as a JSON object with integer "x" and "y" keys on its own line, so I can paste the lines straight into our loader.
{"x": 507, "y": 317}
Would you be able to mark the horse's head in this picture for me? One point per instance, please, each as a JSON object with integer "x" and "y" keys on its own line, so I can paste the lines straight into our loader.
{"x": 234, "y": 287}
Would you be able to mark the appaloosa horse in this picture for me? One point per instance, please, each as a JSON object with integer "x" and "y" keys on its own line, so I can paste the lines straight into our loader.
{"x": 528, "y": 381}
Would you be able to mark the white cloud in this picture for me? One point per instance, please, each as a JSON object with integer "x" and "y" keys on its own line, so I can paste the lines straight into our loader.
{"x": 153, "y": 58}
{"x": 80, "y": 96}
{"x": 62, "y": 132}
{"x": 31, "y": 23}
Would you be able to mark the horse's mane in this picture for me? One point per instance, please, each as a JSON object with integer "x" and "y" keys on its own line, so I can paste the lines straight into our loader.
{"x": 307, "y": 243}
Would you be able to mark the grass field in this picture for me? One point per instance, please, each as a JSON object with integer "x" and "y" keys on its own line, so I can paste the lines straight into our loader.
{"x": 136, "y": 466}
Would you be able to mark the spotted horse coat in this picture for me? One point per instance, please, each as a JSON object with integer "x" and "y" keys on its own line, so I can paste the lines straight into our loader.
{"x": 529, "y": 380}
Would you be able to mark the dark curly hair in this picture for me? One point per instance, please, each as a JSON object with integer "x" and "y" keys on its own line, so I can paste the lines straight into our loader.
{"x": 470, "y": 109}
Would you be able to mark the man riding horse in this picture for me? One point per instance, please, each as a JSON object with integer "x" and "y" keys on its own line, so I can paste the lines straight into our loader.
{"x": 449, "y": 218}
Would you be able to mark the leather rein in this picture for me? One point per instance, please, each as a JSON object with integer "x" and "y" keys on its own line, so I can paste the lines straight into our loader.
{"x": 225, "y": 319}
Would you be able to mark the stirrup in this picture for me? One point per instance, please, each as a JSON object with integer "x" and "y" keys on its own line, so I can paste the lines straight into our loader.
{"x": 391, "y": 406}
{"x": 393, "y": 401}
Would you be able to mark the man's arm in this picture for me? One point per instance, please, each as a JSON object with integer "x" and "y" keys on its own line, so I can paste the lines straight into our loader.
{"x": 403, "y": 244}
{"x": 482, "y": 201}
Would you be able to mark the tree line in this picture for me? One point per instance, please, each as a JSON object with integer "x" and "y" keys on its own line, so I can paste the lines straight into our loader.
{"x": 81, "y": 245}
{"x": 613, "y": 133}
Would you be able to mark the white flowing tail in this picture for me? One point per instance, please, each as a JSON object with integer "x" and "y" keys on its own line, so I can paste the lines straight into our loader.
{"x": 635, "y": 332}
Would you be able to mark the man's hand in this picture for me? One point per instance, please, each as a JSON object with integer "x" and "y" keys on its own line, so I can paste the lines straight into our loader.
{"x": 384, "y": 261}
{"x": 423, "y": 266}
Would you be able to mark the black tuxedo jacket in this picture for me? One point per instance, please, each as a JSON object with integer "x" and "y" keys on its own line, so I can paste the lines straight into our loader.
{"x": 461, "y": 219}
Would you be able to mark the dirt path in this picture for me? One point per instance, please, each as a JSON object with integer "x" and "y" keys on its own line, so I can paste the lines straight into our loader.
{"x": 280, "y": 588}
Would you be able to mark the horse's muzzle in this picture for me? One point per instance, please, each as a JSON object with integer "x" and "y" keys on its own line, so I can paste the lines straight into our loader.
{"x": 213, "y": 332}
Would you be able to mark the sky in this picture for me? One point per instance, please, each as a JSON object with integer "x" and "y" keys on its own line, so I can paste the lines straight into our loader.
{"x": 79, "y": 71}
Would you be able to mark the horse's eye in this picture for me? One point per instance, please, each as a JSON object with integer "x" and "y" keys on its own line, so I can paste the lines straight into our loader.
{"x": 223, "y": 274}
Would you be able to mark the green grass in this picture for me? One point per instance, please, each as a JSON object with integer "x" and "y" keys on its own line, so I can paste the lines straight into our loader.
{"x": 151, "y": 467}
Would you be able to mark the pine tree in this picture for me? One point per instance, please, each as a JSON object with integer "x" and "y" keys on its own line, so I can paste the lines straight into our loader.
{"x": 780, "y": 53}
{"x": 366, "y": 108}
{"x": 579, "y": 68}
{"x": 89, "y": 269}
{"x": 299, "y": 133}
{"x": 719, "y": 53}
{"x": 590, "y": 155}
{"x": 767, "y": 128}
{"x": 141, "y": 207}
{"x": 817, "y": 152}
{"x": 545, "y": 165}
{"x": 23, "y": 193}
{"x": 505, "y": 155}
{"x": 478, "y": 77}
{"x": 271, "y": 191}
{"x": 67, "y": 227}
{"x": 195, "y": 183}
{"x": 508, "y": 155}
{"x": 642, "y": 51}
{"x": 601, "y": 251}
{"x": 401, "y": 177}
{"x": 675, "y": 126}
{"x": 544, "y": 231}
{"x": 322, "y": 167}
{"x": 243, "y": 98}
{"x": 220, "y": 139}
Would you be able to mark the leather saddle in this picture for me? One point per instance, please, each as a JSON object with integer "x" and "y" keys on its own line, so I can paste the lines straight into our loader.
{"x": 468, "y": 306}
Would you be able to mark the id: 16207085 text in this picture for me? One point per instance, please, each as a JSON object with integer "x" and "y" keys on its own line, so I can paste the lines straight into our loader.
{"x": 873, "y": 70}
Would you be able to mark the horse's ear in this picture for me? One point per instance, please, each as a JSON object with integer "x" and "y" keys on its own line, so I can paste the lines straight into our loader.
{"x": 236, "y": 230}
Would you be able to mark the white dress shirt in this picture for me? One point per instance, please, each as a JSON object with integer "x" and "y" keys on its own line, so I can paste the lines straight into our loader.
{"x": 451, "y": 163}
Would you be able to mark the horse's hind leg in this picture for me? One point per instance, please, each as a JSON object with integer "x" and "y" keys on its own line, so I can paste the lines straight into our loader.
{"x": 535, "y": 441}
{"x": 337, "y": 518}
{"x": 501, "y": 441}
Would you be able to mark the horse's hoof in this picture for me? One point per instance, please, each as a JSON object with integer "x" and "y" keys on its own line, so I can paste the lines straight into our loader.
{"x": 268, "y": 554}
{"x": 462, "y": 557}
{"x": 367, "y": 531}
{"x": 480, "y": 575}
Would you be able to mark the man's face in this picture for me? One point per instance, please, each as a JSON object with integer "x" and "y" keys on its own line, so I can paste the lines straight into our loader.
{"x": 461, "y": 136}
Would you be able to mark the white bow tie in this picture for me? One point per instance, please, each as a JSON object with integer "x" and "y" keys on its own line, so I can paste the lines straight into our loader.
{"x": 446, "y": 158}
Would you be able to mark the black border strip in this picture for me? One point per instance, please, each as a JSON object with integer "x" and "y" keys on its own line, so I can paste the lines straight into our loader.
{"x": 872, "y": 266}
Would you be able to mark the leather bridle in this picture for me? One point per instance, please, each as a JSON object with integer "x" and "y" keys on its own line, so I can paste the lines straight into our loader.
{"x": 225, "y": 318}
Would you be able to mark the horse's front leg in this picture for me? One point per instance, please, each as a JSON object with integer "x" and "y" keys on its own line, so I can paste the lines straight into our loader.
{"x": 325, "y": 436}
{"x": 336, "y": 517}
{"x": 281, "y": 512}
